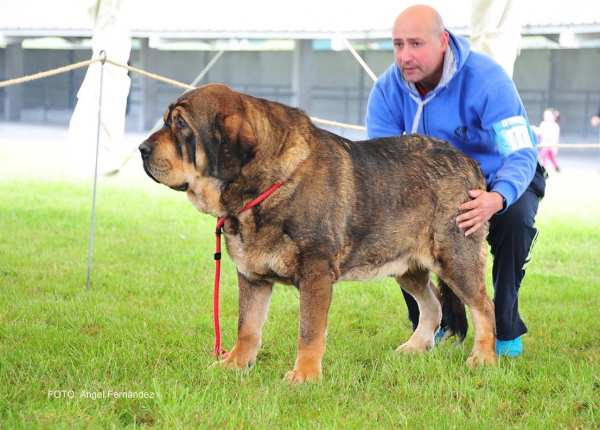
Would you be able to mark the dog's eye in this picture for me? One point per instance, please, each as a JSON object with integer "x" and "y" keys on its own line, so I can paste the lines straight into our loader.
{"x": 181, "y": 122}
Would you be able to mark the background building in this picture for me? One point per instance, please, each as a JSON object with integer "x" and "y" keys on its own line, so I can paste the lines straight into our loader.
{"x": 291, "y": 53}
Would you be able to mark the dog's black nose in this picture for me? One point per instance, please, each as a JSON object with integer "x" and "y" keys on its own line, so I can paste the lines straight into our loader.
{"x": 145, "y": 149}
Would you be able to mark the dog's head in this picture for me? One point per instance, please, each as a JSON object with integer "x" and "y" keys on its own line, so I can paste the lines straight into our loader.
{"x": 206, "y": 140}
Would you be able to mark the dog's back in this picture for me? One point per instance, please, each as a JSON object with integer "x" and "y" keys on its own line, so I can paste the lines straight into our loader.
{"x": 405, "y": 194}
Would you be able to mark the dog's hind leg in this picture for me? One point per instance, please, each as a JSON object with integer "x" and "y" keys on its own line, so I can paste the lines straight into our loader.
{"x": 315, "y": 298}
{"x": 484, "y": 348}
{"x": 468, "y": 283}
{"x": 419, "y": 284}
{"x": 254, "y": 297}
{"x": 482, "y": 312}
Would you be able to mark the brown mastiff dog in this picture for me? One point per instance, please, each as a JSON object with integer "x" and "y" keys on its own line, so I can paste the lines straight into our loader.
{"x": 346, "y": 211}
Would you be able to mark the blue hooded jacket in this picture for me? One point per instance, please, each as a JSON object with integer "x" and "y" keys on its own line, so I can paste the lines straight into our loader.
{"x": 475, "y": 106}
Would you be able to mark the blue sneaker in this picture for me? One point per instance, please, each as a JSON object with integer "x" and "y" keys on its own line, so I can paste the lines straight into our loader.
{"x": 509, "y": 348}
{"x": 439, "y": 336}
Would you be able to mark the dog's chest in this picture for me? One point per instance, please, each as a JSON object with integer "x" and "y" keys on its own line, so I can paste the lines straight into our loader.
{"x": 258, "y": 256}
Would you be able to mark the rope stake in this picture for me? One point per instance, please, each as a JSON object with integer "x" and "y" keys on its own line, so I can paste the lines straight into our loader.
{"x": 91, "y": 247}
{"x": 48, "y": 73}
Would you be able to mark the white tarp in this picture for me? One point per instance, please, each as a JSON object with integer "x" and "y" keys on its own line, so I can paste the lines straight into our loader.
{"x": 496, "y": 30}
{"x": 112, "y": 35}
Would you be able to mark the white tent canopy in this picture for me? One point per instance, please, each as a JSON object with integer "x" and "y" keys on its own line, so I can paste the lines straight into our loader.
{"x": 275, "y": 19}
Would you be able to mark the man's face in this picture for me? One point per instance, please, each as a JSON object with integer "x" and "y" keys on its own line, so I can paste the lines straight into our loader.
{"x": 419, "y": 52}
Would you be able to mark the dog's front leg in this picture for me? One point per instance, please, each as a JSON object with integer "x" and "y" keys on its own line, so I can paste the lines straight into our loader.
{"x": 254, "y": 299}
{"x": 315, "y": 299}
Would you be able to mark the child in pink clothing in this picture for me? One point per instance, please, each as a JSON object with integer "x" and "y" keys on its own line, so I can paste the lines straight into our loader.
{"x": 548, "y": 133}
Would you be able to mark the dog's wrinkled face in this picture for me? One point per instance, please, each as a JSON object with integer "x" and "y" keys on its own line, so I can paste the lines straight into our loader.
{"x": 205, "y": 141}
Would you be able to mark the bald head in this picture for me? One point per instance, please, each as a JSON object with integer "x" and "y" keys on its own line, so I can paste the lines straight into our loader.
{"x": 420, "y": 42}
{"x": 421, "y": 16}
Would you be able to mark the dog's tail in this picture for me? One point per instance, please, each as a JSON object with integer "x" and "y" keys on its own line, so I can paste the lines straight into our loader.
{"x": 454, "y": 312}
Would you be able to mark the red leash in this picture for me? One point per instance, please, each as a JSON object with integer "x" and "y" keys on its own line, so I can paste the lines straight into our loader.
{"x": 218, "y": 351}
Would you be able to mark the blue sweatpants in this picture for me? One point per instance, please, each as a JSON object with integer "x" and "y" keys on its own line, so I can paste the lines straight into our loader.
{"x": 511, "y": 236}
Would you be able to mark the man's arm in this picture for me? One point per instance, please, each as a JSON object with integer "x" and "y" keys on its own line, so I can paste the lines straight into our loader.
{"x": 511, "y": 181}
{"x": 504, "y": 119}
{"x": 516, "y": 145}
{"x": 380, "y": 119}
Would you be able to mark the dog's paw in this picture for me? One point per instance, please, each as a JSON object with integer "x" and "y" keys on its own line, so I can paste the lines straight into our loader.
{"x": 296, "y": 377}
{"x": 225, "y": 365}
{"x": 414, "y": 347}
{"x": 233, "y": 363}
{"x": 481, "y": 359}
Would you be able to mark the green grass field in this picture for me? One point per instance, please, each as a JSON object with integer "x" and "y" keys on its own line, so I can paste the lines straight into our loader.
{"x": 136, "y": 350}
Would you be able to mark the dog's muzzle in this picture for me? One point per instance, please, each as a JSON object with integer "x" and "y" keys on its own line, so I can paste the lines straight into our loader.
{"x": 146, "y": 150}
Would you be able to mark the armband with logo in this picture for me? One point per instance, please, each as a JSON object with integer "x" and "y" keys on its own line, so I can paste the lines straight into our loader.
{"x": 512, "y": 134}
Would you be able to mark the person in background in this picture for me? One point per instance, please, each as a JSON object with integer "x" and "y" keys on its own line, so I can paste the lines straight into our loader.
{"x": 548, "y": 133}
{"x": 595, "y": 121}
{"x": 439, "y": 87}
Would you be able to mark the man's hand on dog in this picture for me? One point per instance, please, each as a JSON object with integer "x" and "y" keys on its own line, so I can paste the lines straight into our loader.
{"x": 479, "y": 210}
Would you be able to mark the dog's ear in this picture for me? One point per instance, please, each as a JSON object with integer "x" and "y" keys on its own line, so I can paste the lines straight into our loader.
{"x": 237, "y": 145}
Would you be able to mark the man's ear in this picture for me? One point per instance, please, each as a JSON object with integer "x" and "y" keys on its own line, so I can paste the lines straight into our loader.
{"x": 444, "y": 41}
{"x": 237, "y": 146}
